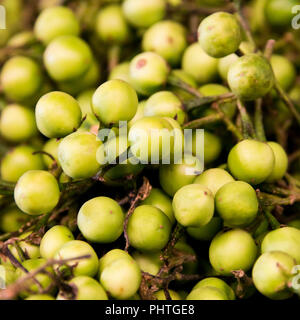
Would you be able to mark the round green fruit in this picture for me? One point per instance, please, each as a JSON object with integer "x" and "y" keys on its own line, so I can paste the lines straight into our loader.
{"x": 112, "y": 256}
{"x": 207, "y": 293}
{"x": 206, "y": 232}
{"x": 224, "y": 65}
{"x": 251, "y": 77}
{"x": 67, "y": 57}
{"x": 271, "y": 274}
{"x": 114, "y": 101}
{"x": 148, "y": 228}
{"x": 148, "y": 261}
{"x": 168, "y": 39}
{"x": 284, "y": 71}
{"x": 120, "y": 72}
{"x": 101, "y": 220}
{"x": 281, "y": 162}
{"x": 148, "y": 72}
{"x": 232, "y": 250}
{"x": 56, "y": 21}
{"x": 77, "y": 248}
{"x": 51, "y": 147}
{"x": 142, "y": 14}
{"x": 219, "y": 34}
{"x": 12, "y": 219}
{"x": 237, "y": 204}
{"x": 251, "y": 161}
{"x": 193, "y": 205}
{"x": 37, "y": 192}
{"x": 85, "y": 103}
{"x": 160, "y": 295}
{"x": 57, "y": 114}
{"x": 54, "y": 239}
{"x": 18, "y": 161}
{"x": 77, "y": 155}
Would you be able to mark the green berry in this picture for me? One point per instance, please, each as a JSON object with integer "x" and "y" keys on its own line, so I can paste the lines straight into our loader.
{"x": 148, "y": 261}
{"x": 67, "y": 57}
{"x": 225, "y": 63}
{"x": 284, "y": 71}
{"x": 78, "y": 248}
{"x": 165, "y": 104}
{"x": 57, "y": 114}
{"x": 219, "y": 34}
{"x": 206, "y": 232}
{"x": 21, "y": 78}
{"x": 115, "y": 101}
{"x": 85, "y": 103}
{"x": 148, "y": 72}
{"x": 37, "y": 192}
{"x": 251, "y": 77}
{"x": 271, "y": 273}
{"x": 199, "y": 65}
{"x": 160, "y": 295}
{"x": 86, "y": 288}
{"x": 237, "y": 204}
{"x": 121, "y": 72}
{"x": 18, "y": 161}
{"x": 160, "y": 200}
{"x": 40, "y": 297}
{"x": 17, "y": 123}
{"x": 143, "y": 14}
{"x": 232, "y": 250}
{"x": 77, "y": 155}
{"x": 139, "y": 113}
{"x": 54, "y": 22}
{"x": 111, "y": 26}
{"x": 54, "y": 239}
{"x": 214, "y": 179}
{"x": 207, "y": 293}
{"x": 148, "y": 228}
{"x": 251, "y": 161}
{"x": 101, "y": 220}
{"x": 193, "y": 205}
{"x": 285, "y": 239}
{"x": 168, "y": 39}
{"x": 281, "y": 162}
{"x": 112, "y": 256}
{"x": 51, "y": 147}
{"x": 12, "y": 219}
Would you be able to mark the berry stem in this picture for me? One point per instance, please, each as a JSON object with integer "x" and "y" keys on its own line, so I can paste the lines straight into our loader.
{"x": 248, "y": 129}
{"x": 258, "y": 121}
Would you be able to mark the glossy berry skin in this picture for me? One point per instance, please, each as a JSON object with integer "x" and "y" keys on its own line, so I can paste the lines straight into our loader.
{"x": 237, "y": 204}
{"x": 232, "y": 250}
{"x": 281, "y": 162}
{"x": 206, "y": 232}
{"x": 225, "y": 63}
{"x": 193, "y": 205}
{"x": 284, "y": 239}
{"x": 251, "y": 77}
{"x": 271, "y": 273}
{"x": 216, "y": 283}
{"x": 77, "y": 248}
{"x": 175, "y": 176}
{"x": 67, "y": 57}
{"x": 111, "y": 26}
{"x": 121, "y": 72}
{"x": 77, "y": 155}
{"x": 21, "y": 78}
{"x": 199, "y": 65}
{"x": 54, "y": 239}
{"x": 279, "y": 12}
{"x": 19, "y": 160}
{"x": 54, "y": 22}
{"x": 214, "y": 179}
{"x": 251, "y": 161}
{"x": 87, "y": 288}
{"x": 12, "y": 219}
{"x": 37, "y": 192}
{"x": 219, "y": 34}
{"x": 101, "y": 220}
{"x": 111, "y": 256}
{"x": 142, "y": 14}
{"x": 17, "y": 123}
{"x": 148, "y": 261}
{"x": 165, "y": 104}
{"x": 85, "y": 103}
{"x": 148, "y": 228}
{"x": 168, "y": 39}
{"x": 121, "y": 278}
{"x": 207, "y": 293}
{"x": 57, "y": 114}
{"x": 44, "y": 279}
{"x": 284, "y": 71}
{"x": 160, "y": 295}
{"x": 148, "y": 72}
{"x": 114, "y": 101}
{"x": 51, "y": 147}
{"x": 160, "y": 200}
